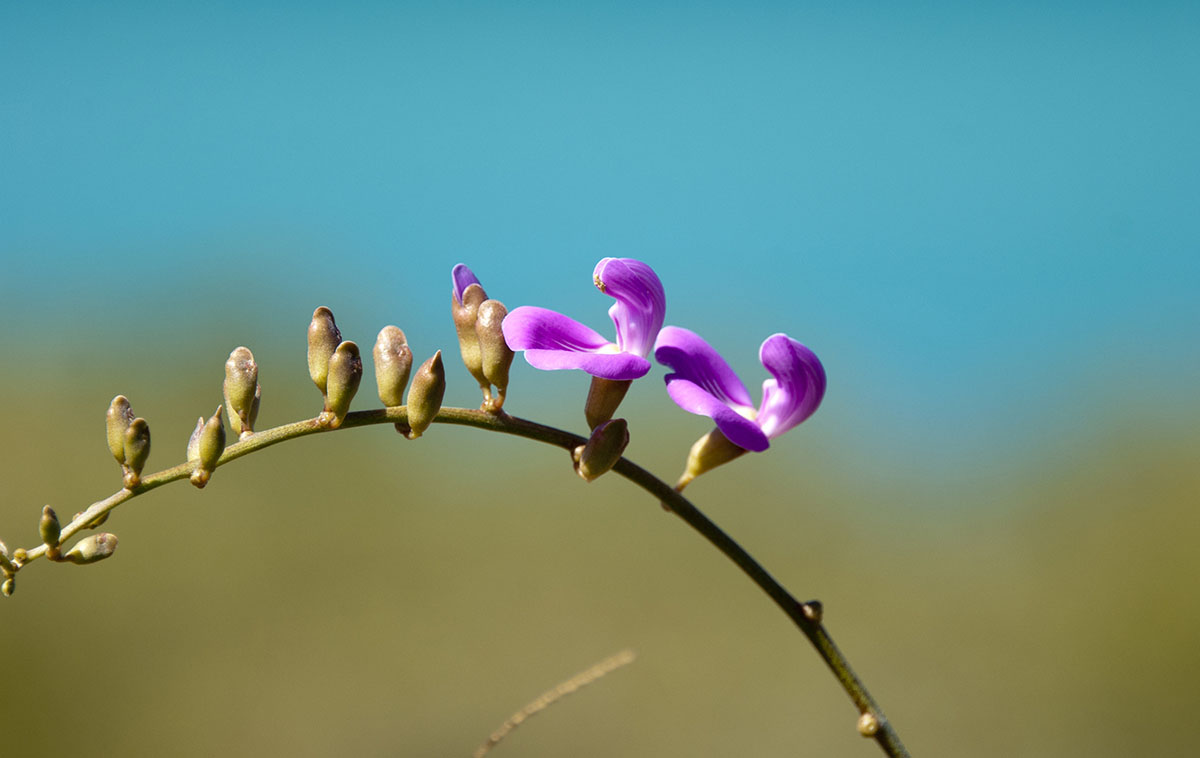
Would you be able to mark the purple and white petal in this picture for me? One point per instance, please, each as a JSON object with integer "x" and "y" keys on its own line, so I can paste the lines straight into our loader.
{"x": 613, "y": 365}
{"x": 641, "y": 303}
{"x": 462, "y": 278}
{"x": 693, "y": 398}
{"x": 691, "y": 358}
{"x": 797, "y": 388}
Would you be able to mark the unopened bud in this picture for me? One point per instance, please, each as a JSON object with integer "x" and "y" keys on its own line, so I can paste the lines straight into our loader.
{"x": 137, "y": 450}
{"x": 209, "y": 447}
{"x": 603, "y": 449}
{"x": 345, "y": 372}
{"x": 241, "y": 386}
{"x": 50, "y": 528}
{"x": 393, "y": 364}
{"x": 92, "y": 549}
{"x": 193, "y": 446}
{"x": 323, "y": 339}
{"x": 707, "y": 453}
{"x": 425, "y": 395}
{"x": 466, "y": 298}
{"x": 495, "y": 354}
{"x": 5, "y": 564}
{"x": 604, "y": 395}
{"x": 7, "y": 587}
{"x": 868, "y": 724}
{"x": 117, "y": 420}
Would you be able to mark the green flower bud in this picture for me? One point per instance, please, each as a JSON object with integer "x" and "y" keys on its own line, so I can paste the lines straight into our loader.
{"x": 92, "y": 549}
{"x": 710, "y": 451}
{"x": 137, "y": 450}
{"x": 603, "y": 449}
{"x": 49, "y": 528}
{"x": 241, "y": 387}
{"x": 604, "y": 395}
{"x": 323, "y": 339}
{"x": 464, "y": 314}
{"x": 495, "y": 354}
{"x": 117, "y": 420}
{"x": 193, "y": 446}
{"x": 7, "y": 587}
{"x": 5, "y": 564}
{"x": 210, "y": 445}
{"x": 393, "y": 364}
{"x": 425, "y": 395}
{"x": 345, "y": 372}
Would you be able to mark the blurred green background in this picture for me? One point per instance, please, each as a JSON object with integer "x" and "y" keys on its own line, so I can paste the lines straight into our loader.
{"x": 984, "y": 220}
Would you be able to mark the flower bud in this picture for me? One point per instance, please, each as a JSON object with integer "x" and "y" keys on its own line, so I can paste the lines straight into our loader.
{"x": 241, "y": 386}
{"x": 345, "y": 372}
{"x": 323, "y": 339}
{"x": 5, "y": 564}
{"x": 603, "y": 449}
{"x": 193, "y": 446}
{"x": 117, "y": 420}
{"x": 604, "y": 395}
{"x": 710, "y": 451}
{"x": 425, "y": 395}
{"x": 7, "y": 587}
{"x": 137, "y": 450}
{"x": 209, "y": 447}
{"x": 92, "y": 549}
{"x": 468, "y": 295}
{"x": 495, "y": 354}
{"x": 393, "y": 364}
{"x": 49, "y": 528}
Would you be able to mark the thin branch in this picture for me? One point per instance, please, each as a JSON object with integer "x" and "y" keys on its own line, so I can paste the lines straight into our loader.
{"x": 806, "y": 616}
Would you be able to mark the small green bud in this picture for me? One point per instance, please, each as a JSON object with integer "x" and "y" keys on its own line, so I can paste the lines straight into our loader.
{"x": 137, "y": 450}
{"x": 323, "y": 339}
{"x": 193, "y": 446}
{"x": 425, "y": 395}
{"x": 393, "y": 364}
{"x": 707, "y": 453}
{"x": 50, "y": 528}
{"x": 241, "y": 387}
{"x": 465, "y": 314}
{"x": 5, "y": 564}
{"x": 345, "y": 373}
{"x": 603, "y": 449}
{"x": 92, "y": 549}
{"x": 117, "y": 420}
{"x": 209, "y": 447}
{"x": 868, "y": 725}
{"x": 495, "y": 353}
{"x": 604, "y": 395}
{"x": 7, "y": 587}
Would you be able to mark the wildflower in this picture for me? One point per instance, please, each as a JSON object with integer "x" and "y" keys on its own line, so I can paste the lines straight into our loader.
{"x": 704, "y": 384}
{"x": 554, "y": 341}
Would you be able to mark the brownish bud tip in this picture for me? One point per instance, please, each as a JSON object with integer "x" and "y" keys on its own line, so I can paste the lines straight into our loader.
{"x": 393, "y": 364}
{"x": 50, "y": 528}
{"x": 425, "y": 395}
{"x": 323, "y": 339}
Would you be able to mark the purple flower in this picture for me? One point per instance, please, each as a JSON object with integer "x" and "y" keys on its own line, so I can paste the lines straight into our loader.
{"x": 704, "y": 384}
{"x": 554, "y": 341}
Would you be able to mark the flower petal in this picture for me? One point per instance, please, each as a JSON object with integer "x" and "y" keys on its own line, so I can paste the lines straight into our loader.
{"x": 693, "y": 398}
{"x": 641, "y": 303}
{"x": 462, "y": 278}
{"x": 554, "y": 341}
{"x": 617, "y": 366}
{"x": 691, "y": 358}
{"x": 797, "y": 389}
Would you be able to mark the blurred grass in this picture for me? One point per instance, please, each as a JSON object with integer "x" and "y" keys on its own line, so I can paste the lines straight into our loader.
{"x": 361, "y": 594}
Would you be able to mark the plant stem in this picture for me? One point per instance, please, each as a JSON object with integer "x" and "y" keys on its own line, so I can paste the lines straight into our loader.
{"x": 806, "y": 616}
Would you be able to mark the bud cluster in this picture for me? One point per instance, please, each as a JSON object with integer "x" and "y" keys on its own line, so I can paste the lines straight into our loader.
{"x": 242, "y": 391}
{"x": 485, "y": 352}
{"x": 128, "y": 439}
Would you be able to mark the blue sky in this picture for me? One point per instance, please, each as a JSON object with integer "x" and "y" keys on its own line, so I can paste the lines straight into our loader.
{"x": 984, "y": 218}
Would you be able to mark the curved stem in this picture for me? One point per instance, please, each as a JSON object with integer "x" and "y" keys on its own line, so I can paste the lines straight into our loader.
{"x": 806, "y": 616}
